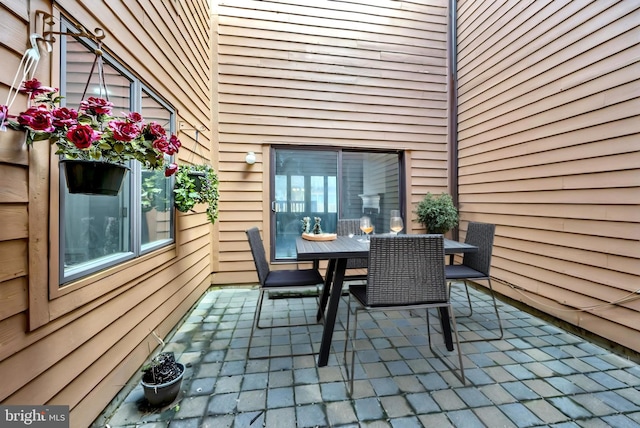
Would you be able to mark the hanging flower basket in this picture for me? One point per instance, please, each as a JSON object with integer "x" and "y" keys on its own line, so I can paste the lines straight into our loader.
{"x": 94, "y": 178}
{"x": 91, "y": 134}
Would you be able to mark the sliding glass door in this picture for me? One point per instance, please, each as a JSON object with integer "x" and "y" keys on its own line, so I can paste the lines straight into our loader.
{"x": 329, "y": 184}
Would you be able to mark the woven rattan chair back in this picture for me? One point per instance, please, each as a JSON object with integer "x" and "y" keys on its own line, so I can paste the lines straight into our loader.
{"x": 405, "y": 270}
{"x": 481, "y": 235}
{"x": 259, "y": 256}
{"x": 346, "y": 227}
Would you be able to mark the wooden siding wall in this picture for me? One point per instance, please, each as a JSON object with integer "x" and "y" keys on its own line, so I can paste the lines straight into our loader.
{"x": 369, "y": 74}
{"x": 549, "y": 132}
{"x": 80, "y": 348}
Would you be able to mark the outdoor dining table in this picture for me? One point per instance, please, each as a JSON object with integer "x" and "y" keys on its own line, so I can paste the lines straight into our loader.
{"x": 338, "y": 251}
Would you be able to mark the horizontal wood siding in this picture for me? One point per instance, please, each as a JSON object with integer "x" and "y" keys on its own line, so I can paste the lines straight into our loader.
{"x": 549, "y": 124}
{"x": 325, "y": 73}
{"x": 81, "y": 346}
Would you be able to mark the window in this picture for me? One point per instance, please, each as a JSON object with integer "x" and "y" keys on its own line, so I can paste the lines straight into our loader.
{"x": 101, "y": 231}
{"x": 336, "y": 184}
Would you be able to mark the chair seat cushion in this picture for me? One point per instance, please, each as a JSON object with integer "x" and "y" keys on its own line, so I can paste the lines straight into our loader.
{"x": 461, "y": 272}
{"x": 293, "y": 278}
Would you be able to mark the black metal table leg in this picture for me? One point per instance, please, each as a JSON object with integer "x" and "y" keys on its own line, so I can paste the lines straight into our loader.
{"x": 324, "y": 297}
{"x": 332, "y": 312}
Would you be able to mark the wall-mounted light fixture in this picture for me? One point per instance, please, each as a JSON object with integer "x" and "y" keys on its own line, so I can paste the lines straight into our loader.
{"x": 250, "y": 158}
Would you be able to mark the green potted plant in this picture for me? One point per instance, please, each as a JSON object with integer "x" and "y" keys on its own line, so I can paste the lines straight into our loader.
{"x": 196, "y": 184}
{"x": 91, "y": 140}
{"x": 437, "y": 213}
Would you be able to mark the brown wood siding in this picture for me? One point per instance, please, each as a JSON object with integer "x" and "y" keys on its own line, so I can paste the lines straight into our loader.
{"x": 326, "y": 73}
{"x": 79, "y": 345}
{"x": 549, "y": 122}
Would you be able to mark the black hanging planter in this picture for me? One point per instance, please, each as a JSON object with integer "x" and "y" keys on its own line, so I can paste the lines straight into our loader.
{"x": 94, "y": 178}
{"x": 197, "y": 177}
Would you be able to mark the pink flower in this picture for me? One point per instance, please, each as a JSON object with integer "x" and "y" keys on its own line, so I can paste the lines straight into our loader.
{"x": 4, "y": 113}
{"x": 170, "y": 169}
{"x": 36, "y": 88}
{"x": 37, "y": 118}
{"x": 96, "y": 106}
{"x": 82, "y": 136}
{"x": 134, "y": 117}
{"x": 64, "y": 117}
{"x": 124, "y": 131}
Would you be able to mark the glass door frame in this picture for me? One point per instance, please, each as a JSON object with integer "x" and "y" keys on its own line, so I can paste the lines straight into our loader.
{"x": 340, "y": 151}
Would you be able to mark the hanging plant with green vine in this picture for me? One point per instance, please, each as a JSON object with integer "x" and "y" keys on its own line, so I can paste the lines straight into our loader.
{"x": 196, "y": 184}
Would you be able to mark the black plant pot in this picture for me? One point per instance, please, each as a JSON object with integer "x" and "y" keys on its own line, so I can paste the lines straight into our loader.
{"x": 197, "y": 177}
{"x": 164, "y": 393}
{"x": 94, "y": 178}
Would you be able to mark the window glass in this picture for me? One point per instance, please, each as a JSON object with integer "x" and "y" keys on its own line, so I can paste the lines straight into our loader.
{"x": 371, "y": 183}
{"x": 301, "y": 188}
{"x": 337, "y": 184}
{"x": 156, "y": 190}
{"x": 96, "y": 228}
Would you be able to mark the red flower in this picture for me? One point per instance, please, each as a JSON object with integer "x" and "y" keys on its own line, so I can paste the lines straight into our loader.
{"x": 124, "y": 131}
{"x": 37, "y": 118}
{"x": 82, "y": 136}
{"x": 91, "y": 132}
{"x": 134, "y": 117}
{"x": 170, "y": 169}
{"x": 161, "y": 144}
{"x": 35, "y": 88}
{"x": 174, "y": 144}
{"x": 156, "y": 129}
{"x": 64, "y": 116}
{"x": 96, "y": 106}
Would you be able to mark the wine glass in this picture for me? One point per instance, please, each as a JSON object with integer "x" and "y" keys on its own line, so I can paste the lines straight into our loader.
{"x": 396, "y": 223}
{"x": 366, "y": 226}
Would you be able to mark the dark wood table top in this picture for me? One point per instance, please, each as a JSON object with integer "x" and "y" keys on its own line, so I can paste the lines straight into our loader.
{"x": 344, "y": 247}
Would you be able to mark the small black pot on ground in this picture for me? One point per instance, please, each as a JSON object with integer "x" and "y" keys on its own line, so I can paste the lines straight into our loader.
{"x": 162, "y": 379}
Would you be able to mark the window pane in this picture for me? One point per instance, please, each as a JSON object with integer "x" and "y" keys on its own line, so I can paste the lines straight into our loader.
{"x": 156, "y": 205}
{"x": 79, "y": 60}
{"x": 302, "y": 189}
{"x": 371, "y": 183}
{"x": 156, "y": 195}
{"x": 95, "y": 228}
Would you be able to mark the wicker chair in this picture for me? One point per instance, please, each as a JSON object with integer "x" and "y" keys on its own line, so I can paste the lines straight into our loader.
{"x": 406, "y": 272}
{"x": 476, "y": 266}
{"x": 281, "y": 280}
{"x": 351, "y": 226}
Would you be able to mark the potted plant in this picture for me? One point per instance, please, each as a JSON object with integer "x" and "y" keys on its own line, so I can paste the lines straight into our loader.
{"x": 162, "y": 379}
{"x": 196, "y": 184}
{"x": 437, "y": 213}
{"x": 90, "y": 139}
